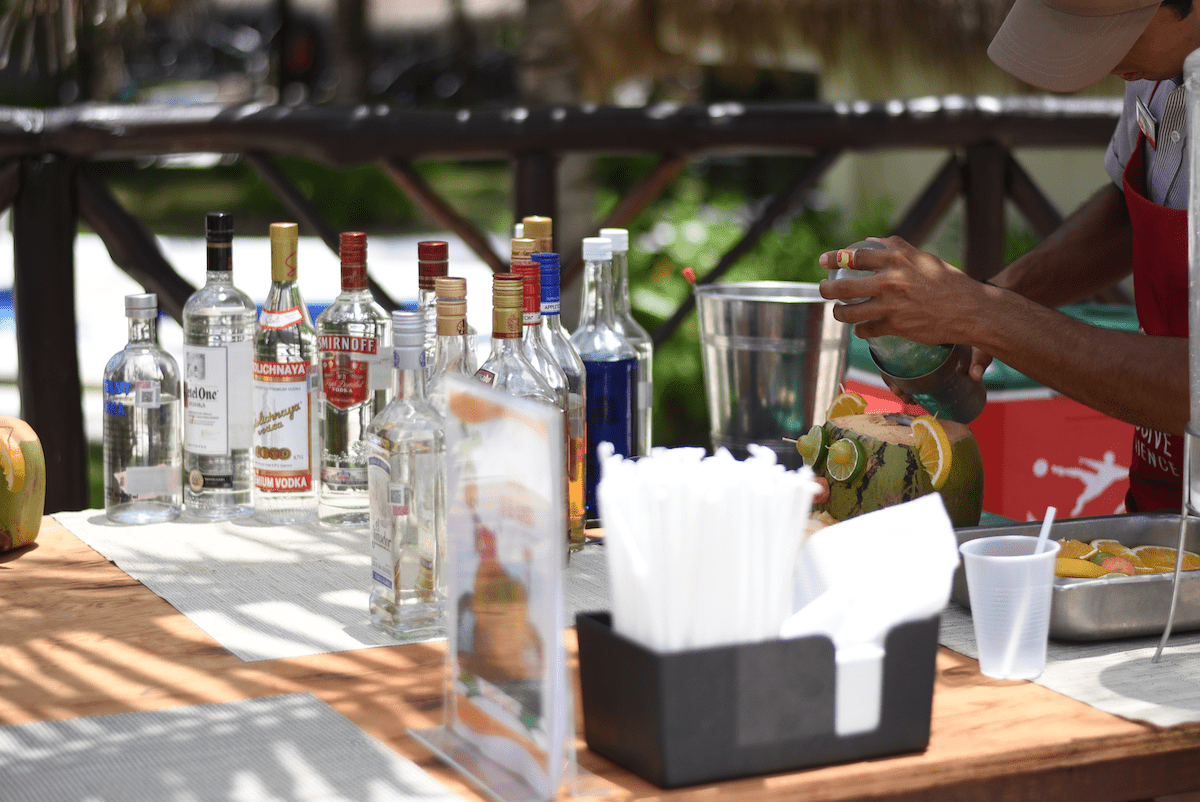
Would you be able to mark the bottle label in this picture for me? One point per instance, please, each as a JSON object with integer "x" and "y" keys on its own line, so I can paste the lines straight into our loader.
{"x": 387, "y": 502}
{"x": 344, "y": 477}
{"x": 551, "y": 307}
{"x": 280, "y": 320}
{"x": 146, "y": 394}
{"x": 216, "y": 380}
{"x": 346, "y": 364}
{"x": 282, "y": 426}
{"x": 149, "y": 481}
{"x": 485, "y": 376}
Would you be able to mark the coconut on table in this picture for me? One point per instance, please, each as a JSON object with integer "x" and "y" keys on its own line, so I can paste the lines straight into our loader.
{"x": 875, "y": 460}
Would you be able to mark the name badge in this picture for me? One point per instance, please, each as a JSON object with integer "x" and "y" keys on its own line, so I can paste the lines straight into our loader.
{"x": 1147, "y": 123}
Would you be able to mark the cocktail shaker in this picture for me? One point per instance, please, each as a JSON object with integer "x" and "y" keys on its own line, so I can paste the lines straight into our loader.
{"x": 936, "y": 376}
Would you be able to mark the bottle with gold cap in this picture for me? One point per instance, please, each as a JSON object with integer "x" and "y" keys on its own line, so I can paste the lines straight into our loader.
{"x": 540, "y": 230}
{"x": 506, "y": 367}
{"x": 286, "y": 389}
{"x": 433, "y": 262}
{"x": 353, "y": 336}
{"x": 452, "y": 352}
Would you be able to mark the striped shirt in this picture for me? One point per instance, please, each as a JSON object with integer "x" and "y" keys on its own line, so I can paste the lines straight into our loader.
{"x": 1167, "y": 165}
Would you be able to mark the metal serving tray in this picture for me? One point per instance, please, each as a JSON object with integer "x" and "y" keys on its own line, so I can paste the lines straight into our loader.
{"x": 1111, "y": 607}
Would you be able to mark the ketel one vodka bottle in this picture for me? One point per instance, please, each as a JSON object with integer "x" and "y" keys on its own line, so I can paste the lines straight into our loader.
{"x": 218, "y": 352}
{"x": 638, "y": 338}
{"x": 572, "y": 367}
{"x": 406, "y": 470}
{"x": 356, "y": 373}
{"x": 609, "y": 361}
{"x": 286, "y": 394}
{"x": 452, "y": 352}
{"x": 143, "y": 461}
{"x": 507, "y": 367}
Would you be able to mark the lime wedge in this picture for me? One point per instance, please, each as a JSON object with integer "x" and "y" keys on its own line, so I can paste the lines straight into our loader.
{"x": 812, "y": 446}
{"x": 846, "y": 460}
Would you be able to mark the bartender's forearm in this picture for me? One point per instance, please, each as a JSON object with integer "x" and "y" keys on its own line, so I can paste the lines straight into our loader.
{"x": 1131, "y": 376}
{"x": 1090, "y": 252}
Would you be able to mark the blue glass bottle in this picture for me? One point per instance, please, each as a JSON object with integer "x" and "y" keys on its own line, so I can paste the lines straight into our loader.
{"x": 610, "y": 362}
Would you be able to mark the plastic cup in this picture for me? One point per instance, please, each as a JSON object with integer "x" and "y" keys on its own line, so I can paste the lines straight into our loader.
{"x": 1010, "y": 589}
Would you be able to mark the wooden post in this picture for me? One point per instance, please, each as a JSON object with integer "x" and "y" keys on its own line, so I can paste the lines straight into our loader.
{"x": 535, "y": 188}
{"x": 985, "y": 196}
{"x": 45, "y": 215}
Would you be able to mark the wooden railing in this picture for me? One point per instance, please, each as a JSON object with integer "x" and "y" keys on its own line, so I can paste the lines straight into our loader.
{"x": 45, "y": 178}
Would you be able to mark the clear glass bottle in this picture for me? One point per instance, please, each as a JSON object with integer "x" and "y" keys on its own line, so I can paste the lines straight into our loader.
{"x": 638, "y": 337}
{"x": 218, "y": 354}
{"x": 567, "y": 358}
{"x": 531, "y": 325}
{"x": 406, "y": 470}
{"x": 356, "y": 374}
{"x": 506, "y": 367}
{"x": 143, "y": 455}
{"x": 287, "y": 384}
{"x": 452, "y": 353}
{"x": 610, "y": 363}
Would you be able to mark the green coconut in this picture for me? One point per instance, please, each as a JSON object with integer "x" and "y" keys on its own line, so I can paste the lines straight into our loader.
{"x": 22, "y": 483}
{"x": 894, "y": 474}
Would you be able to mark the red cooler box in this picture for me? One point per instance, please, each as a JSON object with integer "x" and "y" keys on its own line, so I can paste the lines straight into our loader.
{"x": 1039, "y": 448}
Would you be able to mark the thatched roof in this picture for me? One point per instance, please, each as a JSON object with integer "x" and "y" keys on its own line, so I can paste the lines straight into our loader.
{"x": 624, "y": 39}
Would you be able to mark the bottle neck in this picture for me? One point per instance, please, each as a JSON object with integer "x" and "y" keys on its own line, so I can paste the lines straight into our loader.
{"x": 143, "y": 330}
{"x": 621, "y": 283}
{"x": 220, "y": 260}
{"x": 452, "y": 346}
{"x": 408, "y": 382}
{"x": 597, "y": 309}
{"x": 354, "y": 280}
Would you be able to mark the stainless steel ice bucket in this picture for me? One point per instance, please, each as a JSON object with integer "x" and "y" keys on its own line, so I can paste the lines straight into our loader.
{"x": 773, "y": 359}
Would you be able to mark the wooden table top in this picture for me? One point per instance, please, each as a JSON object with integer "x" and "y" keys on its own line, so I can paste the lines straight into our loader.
{"x": 79, "y": 637}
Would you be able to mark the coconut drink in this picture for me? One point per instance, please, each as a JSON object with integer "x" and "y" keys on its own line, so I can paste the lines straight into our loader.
{"x": 875, "y": 460}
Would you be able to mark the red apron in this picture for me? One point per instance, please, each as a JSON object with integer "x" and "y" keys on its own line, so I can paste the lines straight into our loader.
{"x": 1160, "y": 284}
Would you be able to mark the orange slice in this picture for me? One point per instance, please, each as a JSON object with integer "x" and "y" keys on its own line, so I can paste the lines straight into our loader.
{"x": 1162, "y": 558}
{"x": 12, "y": 461}
{"x": 1076, "y": 549}
{"x": 933, "y": 447}
{"x": 846, "y": 403}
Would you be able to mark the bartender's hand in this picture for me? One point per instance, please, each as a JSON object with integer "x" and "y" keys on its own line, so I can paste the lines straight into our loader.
{"x": 913, "y": 294}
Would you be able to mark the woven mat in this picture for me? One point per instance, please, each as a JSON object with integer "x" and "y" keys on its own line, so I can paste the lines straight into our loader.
{"x": 1114, "y": 676}
{"x": 277, "y": 749}
{"x": 269, "y": 592}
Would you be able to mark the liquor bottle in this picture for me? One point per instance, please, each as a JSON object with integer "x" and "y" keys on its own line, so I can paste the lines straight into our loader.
{"x": 286, "y": 394}
{"x": 522, "y": 249}
{"x": 218, "y": 352}
{"x": 559, "y": 345}
{"x": 406, "y": 469}
{"x": 356, "y": 374}
{"x": 638, "y": 337}
{"x": 541, "y": 231}
{"x": 610, "y": 363}
{"x": 531, "y": 326}
{"x": 452, "y": 353}
{"x": 506, "y": 367}
{"x": 143, "y": 458}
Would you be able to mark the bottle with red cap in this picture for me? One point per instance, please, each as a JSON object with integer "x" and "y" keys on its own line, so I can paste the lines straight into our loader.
{"x": 356, "y": 377}
{"x": 433, "y": 262}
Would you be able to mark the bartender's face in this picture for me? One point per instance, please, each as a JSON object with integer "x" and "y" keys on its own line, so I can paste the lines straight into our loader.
{"x": 1159, "y": 53}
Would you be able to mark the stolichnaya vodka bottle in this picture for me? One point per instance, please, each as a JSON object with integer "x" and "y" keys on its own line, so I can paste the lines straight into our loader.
{"x": 507, "y": 367}
{"x": 286, "y": 394}
{"x": 356, "y": 373}
{"x": 559, "y": 346}
{"x": 638, "y": 337}
{"x": 406, "y": 472}
{"x": 143, "y": 458}
{"x": 218, "y": 353}
{"x": 610, "y": 362}
{"x": 453, "y": 351}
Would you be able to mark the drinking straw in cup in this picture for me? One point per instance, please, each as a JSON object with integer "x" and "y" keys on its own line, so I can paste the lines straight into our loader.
{"x": 1009, "y": 583}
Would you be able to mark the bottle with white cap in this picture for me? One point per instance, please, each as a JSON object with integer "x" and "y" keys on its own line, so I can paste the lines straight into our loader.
{"x": 610, "y": 363}
{"x": 638, "y": 337}
{"x": 406, "y": 466}
{"x": 143, "y": 452}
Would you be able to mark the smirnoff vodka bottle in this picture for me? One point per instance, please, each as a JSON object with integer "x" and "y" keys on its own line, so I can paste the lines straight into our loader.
{"x": 638, "y": 338}
{"x": 356, "y": 373}
{"x": 286, "y": 394}
{"x": 452, "y": 353}
{"x": 143, "y": 461}
{"x": 567, "y": 358}
{"x": 406, "y": 472}
{"x": 507, "y": 367}
{"x": 218, "y": 352}
{"x": 610, "y": 362}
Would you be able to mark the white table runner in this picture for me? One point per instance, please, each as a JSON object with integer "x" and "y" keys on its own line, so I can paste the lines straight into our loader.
{"x": 277, "y": 749}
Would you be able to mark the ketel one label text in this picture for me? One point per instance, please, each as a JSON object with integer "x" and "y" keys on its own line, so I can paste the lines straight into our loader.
{"x": 346, "y": 368}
